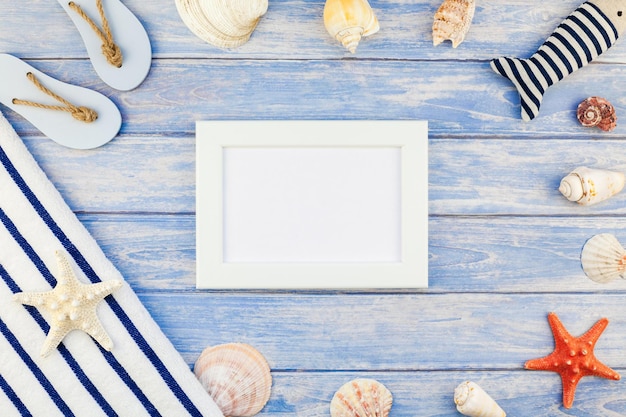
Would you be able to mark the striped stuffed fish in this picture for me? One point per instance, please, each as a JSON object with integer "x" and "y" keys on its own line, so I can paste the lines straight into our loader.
{"x": 588, "y": 32}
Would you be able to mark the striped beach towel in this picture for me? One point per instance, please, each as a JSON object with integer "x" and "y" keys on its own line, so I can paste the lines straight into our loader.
{"x": 142, "y": 375}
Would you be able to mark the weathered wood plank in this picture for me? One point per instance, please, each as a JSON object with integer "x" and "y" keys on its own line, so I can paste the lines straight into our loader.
{"x": 430, "y": 394}
{"x": 417, "y": 332}
{"x": 517, "y": 177}
{"x": 460, "y": 100}
{"x": 483, "y": 254}
{"x": 131, "y": 174}
{"x": 293, "y": 29}
{"x": 466, "y": 177}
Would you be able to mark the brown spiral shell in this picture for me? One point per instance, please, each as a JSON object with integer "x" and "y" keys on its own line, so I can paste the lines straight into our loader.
{"x": 597, "y": 111}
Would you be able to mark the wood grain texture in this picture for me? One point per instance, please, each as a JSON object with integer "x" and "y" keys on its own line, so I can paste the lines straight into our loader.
{"x": 504, "y": 245}
{"x": 460, "y": 99}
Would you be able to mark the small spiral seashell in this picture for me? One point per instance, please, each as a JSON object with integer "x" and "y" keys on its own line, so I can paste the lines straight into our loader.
{"x": 597, "y": 111}
{"x": 588, "y": 186}
{"x": 471, "y": 400}
{"x": 361, "y": 398}
{"x": 350, "y": 20}
{"x": 236, "y": 376}
{"x": 452, "y": 21}
{"x": 603, "y": 258}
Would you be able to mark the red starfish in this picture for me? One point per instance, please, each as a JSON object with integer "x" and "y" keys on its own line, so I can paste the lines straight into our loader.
{"x": 573, "y": 357}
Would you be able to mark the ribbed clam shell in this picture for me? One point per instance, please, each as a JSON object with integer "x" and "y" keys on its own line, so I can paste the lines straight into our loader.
{"x": 223, "y": 23}
{"x": 236, "y": 376}
{"x": 471, "y": 400}
{"x": 603, "y": 258}
{"x": 349, "y": 20}
{"x": 361, "y": 398}
{"x": 452, "y": 21}
{"x": 597, "y": 111}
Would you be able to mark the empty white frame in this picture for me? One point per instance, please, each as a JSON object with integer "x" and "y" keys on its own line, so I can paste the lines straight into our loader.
{"x": 311, "y": 204}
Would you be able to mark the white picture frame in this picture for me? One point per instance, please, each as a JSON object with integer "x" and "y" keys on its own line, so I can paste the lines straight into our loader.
{"x": 232, "y": 153}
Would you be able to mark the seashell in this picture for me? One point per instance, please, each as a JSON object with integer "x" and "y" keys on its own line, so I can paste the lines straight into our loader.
{"x": 596, "y": 111}
{"x": 471, "y": 400}
{"x": 588, "y": 186}
{"x": 236, "y": 376}
{"x": 452, "y": 21}
{"x": 349, "y": 20}
{"x": 603, "y": 258}
{"x": 361, "y": 398}
{"x": 222, "y": 23}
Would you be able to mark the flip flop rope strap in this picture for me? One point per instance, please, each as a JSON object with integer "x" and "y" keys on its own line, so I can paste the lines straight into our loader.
{"x": 82, "y": 113}
{"x": 111, "y": 51}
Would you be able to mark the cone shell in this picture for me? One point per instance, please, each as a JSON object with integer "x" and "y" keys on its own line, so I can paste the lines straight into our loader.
{"x": 222, "y": 23}
{"x": 597, "y": 111}
{"x": 361, "y": 398}
{"x": 471, "y": 400}
{"x": 349, "y": 20}
{"x": 603, "y": 258}
{"x": 452, "y": 21}
{"x": 588, "y": 186}
{"x": 236, "y": 376}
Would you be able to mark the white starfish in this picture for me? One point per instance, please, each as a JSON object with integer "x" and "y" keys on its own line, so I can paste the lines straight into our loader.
{"x": 71, "y": 305}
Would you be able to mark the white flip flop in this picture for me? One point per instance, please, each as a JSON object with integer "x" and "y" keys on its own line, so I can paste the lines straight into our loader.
{"x": 127, "y": 33}
{"x": 71, "y": 122}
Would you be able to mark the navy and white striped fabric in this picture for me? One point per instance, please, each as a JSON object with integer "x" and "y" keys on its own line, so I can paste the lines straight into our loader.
{"x": 584, "y": 35}
{"x": 142, "y": 376}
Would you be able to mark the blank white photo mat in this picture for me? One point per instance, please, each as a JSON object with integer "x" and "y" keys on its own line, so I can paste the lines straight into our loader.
{"x": 311, "y": 204}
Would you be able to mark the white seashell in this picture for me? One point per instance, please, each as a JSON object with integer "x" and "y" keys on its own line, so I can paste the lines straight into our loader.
{"x": 361, "y": 398}
{"x": 349, "y": 20}
{"x": 223, "y": 23}
{"x": 588, "y": 186}
{"x": 236, "y": 376}
{"x": 471, "y": 400}
{"x": 452, "y": 21}
{"x": 603, "y": 258}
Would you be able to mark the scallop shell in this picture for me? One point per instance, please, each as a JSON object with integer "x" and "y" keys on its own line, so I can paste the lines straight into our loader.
{"x": 222, "y": 23}
{"x": 236, "y": 376}
{"x": 588, "y": 186}
{"x": 471, "y": 400}
{"x": 603, "y": 258}
{"x": 361, "y": 398}
{"x": 597, "y": 111}
{"x": 452, "y": 21}
{"x": 349, "y": 20}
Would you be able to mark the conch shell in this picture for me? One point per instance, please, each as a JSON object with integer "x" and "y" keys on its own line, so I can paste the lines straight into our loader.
{"x": 222, "y": 23}
{"x": 349, "y": 20}
{"x": 361, "y": 398}
{"x": 597, "y": 111}
{"x": 452, "y": 21}
{"x": 236, "y": 376}
{"x": 471, "y": 400}
{"x": 603, "y": 258}
{"x": 588, "y": 186}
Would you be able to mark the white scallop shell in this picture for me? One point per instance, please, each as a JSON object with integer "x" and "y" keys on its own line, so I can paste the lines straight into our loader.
{"x": 223, "y": 23}
{"x": 236, "y": 376}
{"x": 349, "y": 20}
{"x": 603, "y": 258}
{"x": 361, "y": 398}
{"x": 452, "y": 21}
{"x": 588, "y": 186}
{"x": 471, "y": 400}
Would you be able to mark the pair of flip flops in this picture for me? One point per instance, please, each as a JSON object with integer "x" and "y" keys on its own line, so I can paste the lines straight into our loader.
{"x": 120, "y": 52}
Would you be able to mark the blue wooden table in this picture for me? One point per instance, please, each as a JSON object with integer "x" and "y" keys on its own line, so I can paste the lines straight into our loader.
{"x": 504, "y": 245}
